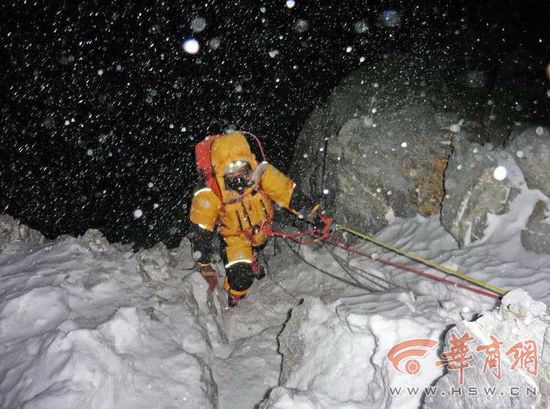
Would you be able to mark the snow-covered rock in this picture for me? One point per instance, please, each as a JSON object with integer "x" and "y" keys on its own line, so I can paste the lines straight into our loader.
{"x": 337, "y": 353}
{"x": 479, "y": 181}
{"x": 488, "y": 195}
{"x": 350, "y": 354}
{"x": 79, "y": 329}
{"x": 156, "y": 264}
{"x": 12, "y": 231}
{"x": 536, "y": 234}
{"x": 517, "y": 376}
{"x": 531, "y": 149}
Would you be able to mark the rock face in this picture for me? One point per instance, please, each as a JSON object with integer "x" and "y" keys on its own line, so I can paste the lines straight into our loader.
{"x": 380, "y": 147}
{"x": 518, "y": 375}
{"x": 12, "y": 231}
{"x": 386, "y": 147}
{"x": 531, "y": 149}
{"x": 536, "y": 234}
{"x": 474, "y": 189}
{"x": 493, "y": 191}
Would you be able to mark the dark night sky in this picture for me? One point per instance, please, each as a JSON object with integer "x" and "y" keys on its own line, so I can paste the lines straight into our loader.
{"x": 101, "y": 106}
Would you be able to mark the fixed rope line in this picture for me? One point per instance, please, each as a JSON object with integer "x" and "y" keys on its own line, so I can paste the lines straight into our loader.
{"x": 353, "y": 284}
{"x": 423, "y": 260}
{"x": 416, "y": 271}
{"x": 346, "y": 270}
{"x": 367, "y": 275}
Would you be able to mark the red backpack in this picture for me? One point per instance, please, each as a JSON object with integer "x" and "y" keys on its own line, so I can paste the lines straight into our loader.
{"x": 203, "y": 158}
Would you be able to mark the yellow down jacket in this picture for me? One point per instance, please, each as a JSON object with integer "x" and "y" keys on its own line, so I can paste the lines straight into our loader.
{"x": 240, "y": 217}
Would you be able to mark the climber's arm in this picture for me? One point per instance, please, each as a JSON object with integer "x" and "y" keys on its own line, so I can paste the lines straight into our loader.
{"x": 205, "y": 210}
{"x": 283, "y": 191}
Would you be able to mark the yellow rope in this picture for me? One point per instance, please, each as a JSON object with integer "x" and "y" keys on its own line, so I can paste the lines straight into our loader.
{"x": 423, "y": 260}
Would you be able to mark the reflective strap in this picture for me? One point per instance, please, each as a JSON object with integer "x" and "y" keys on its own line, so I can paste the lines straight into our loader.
{"x": 238, "y": 261}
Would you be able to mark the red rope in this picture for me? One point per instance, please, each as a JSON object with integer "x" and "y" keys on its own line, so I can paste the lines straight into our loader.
{"x": 414, "y": 270}
{"x": 297, "y": 237}
{"x": 258, "y": 142}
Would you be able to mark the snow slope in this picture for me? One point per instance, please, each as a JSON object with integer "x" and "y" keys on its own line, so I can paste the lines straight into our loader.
{"x": 79, "y": 329}
{"x": 88, "y": 324}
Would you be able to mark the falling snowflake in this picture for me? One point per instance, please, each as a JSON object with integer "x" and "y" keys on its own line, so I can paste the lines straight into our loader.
{"x": 361, "y": 27}
{"x": 198, "y": 24}
{"x": 301, "y": 25}
{"x": 191, "y": 46}
{"x": 455, "y": 128}
{"x": 214, "y": 43}
{"x": 500, "y": 173}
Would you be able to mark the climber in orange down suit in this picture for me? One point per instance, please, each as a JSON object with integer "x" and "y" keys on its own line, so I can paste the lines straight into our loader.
{"x": 237, "y": 202}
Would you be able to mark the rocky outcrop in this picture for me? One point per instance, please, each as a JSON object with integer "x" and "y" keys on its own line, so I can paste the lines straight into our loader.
{"x": 12, "y": 231}
{"x": 531, "y": 149}
{"x": 380, "y": 147}
{"x": 536, "y": 234}
{"x": 386, "y": 146}
{"x": 480, "y": 181}
{"x": 491, "y": 191}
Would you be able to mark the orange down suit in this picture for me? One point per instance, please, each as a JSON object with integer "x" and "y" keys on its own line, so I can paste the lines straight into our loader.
{"x": 239, "y": 219}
